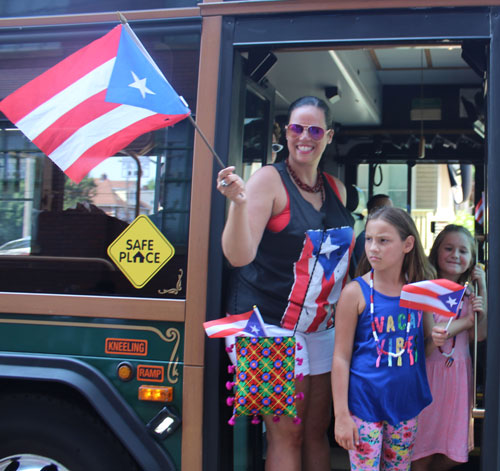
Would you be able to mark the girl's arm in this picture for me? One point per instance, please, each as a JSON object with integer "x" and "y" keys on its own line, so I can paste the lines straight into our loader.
{"x": 250, "y": 210}
{"x": 349, "y": 306}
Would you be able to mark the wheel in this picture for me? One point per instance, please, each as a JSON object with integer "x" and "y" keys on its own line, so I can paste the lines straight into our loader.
{"x": 30, "y": 463}
{"x": 43, "y": 433}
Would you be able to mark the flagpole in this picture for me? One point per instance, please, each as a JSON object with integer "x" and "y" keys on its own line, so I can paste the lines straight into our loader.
{"x": 217, "y": 158}
{"x": 124, "y": 21}
{"x": 121, "y": 17}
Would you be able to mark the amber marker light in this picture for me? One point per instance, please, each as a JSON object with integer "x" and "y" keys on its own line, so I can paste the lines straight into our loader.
{"x": 125, "y": 371}
{"x": 156, "y": 393}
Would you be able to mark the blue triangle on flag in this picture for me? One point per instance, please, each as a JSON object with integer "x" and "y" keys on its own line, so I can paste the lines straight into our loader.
{"x": 333, "y": 245}
{"x": 254, "y": 326}
{"x": 452, "y": 300}
{"x": 136, "y": 81}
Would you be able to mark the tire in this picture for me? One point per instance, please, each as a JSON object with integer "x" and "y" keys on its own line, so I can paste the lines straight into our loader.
{"x": 58, "y": 434}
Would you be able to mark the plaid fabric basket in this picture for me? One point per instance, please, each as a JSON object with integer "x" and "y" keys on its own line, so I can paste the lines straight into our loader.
{"x": 265, "y": 378}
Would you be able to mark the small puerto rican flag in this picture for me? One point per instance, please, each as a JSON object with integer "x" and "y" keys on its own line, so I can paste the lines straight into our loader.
{"x": 248, "y": 324}
{"x": 440, "y": 296}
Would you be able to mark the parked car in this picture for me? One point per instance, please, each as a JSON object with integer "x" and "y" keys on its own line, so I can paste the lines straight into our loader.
{"x": 16, "y": 247}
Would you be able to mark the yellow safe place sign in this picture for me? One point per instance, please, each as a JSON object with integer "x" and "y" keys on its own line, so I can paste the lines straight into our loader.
{"x": 140, "y": 251}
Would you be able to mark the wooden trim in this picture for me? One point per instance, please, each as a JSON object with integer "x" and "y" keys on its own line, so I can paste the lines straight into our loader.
{"x": 295, "y": 6}
{"x": 105, "y": 17}
{"x": 93, "y": 306}
{"x": 199, "y": 226}
{"x": 215, "y": 8}
{"x": 192, "y": 419}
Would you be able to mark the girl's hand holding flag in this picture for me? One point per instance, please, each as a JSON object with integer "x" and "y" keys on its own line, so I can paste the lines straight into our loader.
{"x": 441, "y": 296}
{"x": 442, "y": 332}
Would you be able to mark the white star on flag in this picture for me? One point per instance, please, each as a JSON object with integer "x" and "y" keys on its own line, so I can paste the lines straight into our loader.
{"x": 440, "y": 296}
{"x": 451, "y": 302}
{"x": 140, "y": 84}
{"x": 327, "y": 247}
{"x": 255, "y": 330}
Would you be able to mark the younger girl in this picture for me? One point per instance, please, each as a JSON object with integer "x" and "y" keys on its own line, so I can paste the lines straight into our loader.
{"x": 444, "y": 437}
{"x": 378, "y": 373}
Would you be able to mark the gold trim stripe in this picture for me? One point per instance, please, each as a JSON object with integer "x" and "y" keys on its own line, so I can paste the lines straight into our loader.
{"x": 147, "y": 309}
{"x": 146, "y": 328}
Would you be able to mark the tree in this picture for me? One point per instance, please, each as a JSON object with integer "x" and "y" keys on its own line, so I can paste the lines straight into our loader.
{"x": 81, "y": 192}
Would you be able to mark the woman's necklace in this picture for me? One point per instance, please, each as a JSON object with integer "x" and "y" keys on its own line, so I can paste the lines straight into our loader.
{"x": 303, "y": 186}
{"x": 380, "y": 349}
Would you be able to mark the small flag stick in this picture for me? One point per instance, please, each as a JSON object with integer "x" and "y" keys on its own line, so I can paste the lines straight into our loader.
{"x": 257, "y": 313}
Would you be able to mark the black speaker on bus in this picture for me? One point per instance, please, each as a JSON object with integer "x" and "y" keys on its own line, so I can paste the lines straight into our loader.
{"x": 259, "y": 64}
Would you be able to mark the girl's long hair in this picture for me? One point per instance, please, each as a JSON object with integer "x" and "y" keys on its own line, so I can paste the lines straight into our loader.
{"x": 416, "y": 266}
{"x": 433, "y": 255}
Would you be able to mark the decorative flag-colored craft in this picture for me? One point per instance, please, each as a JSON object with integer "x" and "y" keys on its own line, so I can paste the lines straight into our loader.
{"x": 264, "y": 381}
{"x": 439, "y": 296}
{"x": 265, "y": 378}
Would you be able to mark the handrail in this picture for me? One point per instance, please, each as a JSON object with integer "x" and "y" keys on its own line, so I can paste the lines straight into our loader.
{"x": 477, "y": 413}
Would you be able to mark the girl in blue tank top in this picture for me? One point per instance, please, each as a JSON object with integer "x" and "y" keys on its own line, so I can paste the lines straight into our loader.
{"x": 378, "y": 375}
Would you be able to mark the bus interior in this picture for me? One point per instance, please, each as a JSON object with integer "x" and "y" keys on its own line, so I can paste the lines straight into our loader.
{"x": 409, "y": 122}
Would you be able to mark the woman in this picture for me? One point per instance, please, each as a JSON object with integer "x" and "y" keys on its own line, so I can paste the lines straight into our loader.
{"x": 291, "y": 236}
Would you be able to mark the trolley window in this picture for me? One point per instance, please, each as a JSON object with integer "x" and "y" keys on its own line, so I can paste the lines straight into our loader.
{"x": 54, "y": 234}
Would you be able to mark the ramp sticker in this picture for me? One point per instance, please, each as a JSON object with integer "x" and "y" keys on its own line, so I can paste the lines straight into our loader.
{"x": 150, "y": 373}
{"x": 140, "y": 251}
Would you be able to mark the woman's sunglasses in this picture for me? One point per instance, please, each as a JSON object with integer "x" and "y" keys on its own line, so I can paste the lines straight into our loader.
{"x": 276, "y": 147}
{"x": 315, "y": 132}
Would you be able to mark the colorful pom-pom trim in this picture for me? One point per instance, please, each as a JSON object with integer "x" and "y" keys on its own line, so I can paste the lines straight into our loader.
{"x": 255, "y": 420}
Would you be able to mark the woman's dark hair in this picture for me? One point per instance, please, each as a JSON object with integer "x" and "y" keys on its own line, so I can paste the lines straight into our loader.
{"x": 416, "y": 266}
{"x": 312, "y": 101}
{"x": 433, "y": 255}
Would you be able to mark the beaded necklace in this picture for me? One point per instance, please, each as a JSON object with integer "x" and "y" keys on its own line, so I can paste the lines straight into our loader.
{"x": 380, "y": 350}
{"x": 304, "y": 186}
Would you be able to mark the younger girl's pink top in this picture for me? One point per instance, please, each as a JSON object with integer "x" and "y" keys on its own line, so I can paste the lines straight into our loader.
{"x": 445, "y": 426}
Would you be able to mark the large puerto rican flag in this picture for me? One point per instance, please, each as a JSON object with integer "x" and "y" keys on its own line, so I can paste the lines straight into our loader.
{"x": 95, "y": 102}
{"x": 320, "y": 274}
{"x": 440, "y": 296}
